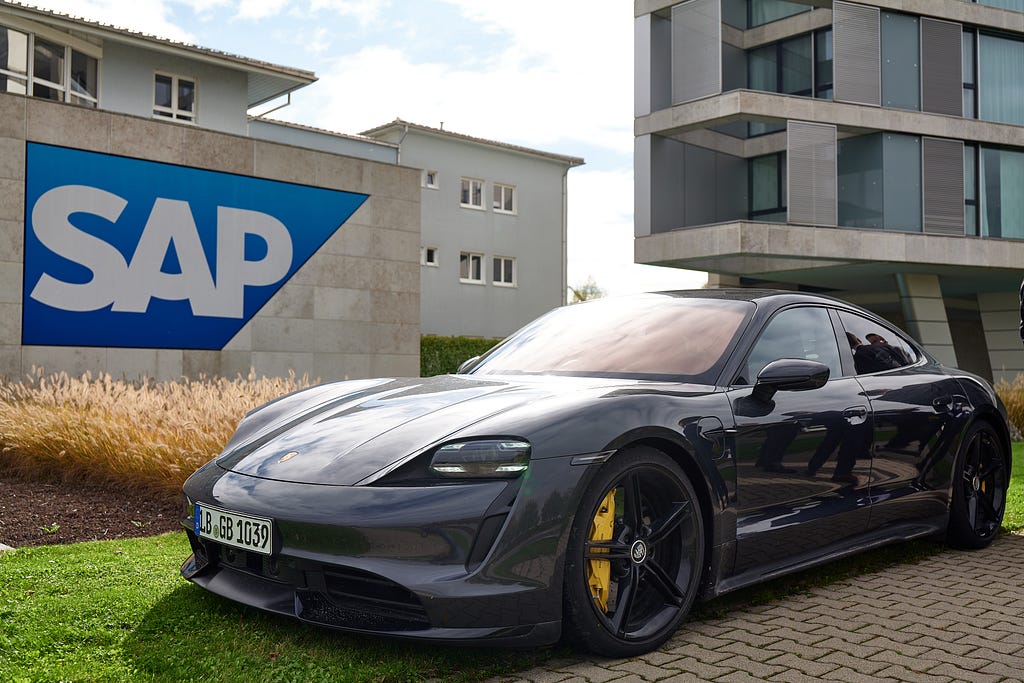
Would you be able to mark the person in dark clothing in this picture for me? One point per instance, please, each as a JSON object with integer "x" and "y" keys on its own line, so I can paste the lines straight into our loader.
{"x": 870, "y": 357}
{"x": 898, "y": 354}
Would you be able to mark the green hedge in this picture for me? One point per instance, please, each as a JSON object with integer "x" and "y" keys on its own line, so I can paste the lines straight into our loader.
{"x": 441, "y": 355}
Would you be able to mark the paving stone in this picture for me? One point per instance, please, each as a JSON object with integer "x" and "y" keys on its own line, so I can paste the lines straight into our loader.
{"x": 748, "y": 638}
{"x": 695, "y": 651}
{"x": 807, "y": 666}
{"x": 902, "y": 674}
{"x": 644, "y": 670}
{"x": 759, "y": 669}
{"x": 865, "y": 667}
{"x": 957, "y": 673}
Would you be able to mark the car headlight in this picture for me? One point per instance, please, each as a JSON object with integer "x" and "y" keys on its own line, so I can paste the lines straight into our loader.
{"x": 506, "y": 458}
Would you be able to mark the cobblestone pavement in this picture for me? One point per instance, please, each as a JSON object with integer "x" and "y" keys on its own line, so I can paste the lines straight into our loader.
{"x": 957, "y": 616}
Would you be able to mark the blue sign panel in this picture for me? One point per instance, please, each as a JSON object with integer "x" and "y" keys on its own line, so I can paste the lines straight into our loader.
{"x": 129, "y": 253}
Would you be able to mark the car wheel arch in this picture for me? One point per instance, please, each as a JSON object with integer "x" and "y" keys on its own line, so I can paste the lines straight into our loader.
{"x": 702, "y": 486}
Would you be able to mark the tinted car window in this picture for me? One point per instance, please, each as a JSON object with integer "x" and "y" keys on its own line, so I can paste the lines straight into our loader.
{"x": 875, "y": 348}
{"x": 804, "y": 332}
{"x": 653, "y": 336}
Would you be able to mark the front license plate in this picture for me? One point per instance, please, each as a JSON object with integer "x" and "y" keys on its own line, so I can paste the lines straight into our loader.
{"x": 230, "y": 528}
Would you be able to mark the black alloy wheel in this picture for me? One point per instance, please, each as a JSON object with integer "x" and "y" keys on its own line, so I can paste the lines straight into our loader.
{"x": 635, "y": 555}
{"x": 979, "y": 489}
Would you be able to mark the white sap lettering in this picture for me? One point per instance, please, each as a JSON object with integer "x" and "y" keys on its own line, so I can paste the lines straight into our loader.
{"x": 52, "y": 226}
{"x": 170, "y": 222}
{"x": 233, "y": 270}
{"x": 130, "y": 287}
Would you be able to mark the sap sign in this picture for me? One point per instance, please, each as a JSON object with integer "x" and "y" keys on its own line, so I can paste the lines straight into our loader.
{"x": 130, "y": 253}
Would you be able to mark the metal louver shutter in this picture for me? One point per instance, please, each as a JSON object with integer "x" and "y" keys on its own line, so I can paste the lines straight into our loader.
{"x": 941, "y": 67}
{"x": 811, "y": 183}
{"x": 942, "y": 185}
{"x": 857, "y": 63}
{"x": 696, "y": 50}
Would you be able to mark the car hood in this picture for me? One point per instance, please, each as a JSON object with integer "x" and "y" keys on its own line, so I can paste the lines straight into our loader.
{"x": 342, "y": 433}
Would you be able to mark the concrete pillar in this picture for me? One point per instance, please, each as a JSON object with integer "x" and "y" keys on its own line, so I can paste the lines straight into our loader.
{"x": 720, "y": 281}
{"x": 924, "y": 311}
{"x": 1000, "y": 320}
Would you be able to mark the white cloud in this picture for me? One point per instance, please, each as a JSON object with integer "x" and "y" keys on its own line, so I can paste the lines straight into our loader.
{"x": 363, "y": 11}
{"x": 601, "y": 237}
{"x": 145, "y": 16}
{"x": 260, "y": 9}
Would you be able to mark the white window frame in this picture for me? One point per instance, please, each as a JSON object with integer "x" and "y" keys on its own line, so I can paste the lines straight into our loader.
{"x": 431, "y": 184}
{"x": 471, "y": 256}
{"x": 498, "y": 206}
{"x": 508, "y": 263}
{"x": 173, "y": 113}
{"x": 471, "y": 205}
{"x": 70, "y": 45}
{"x": 424, "y": 253}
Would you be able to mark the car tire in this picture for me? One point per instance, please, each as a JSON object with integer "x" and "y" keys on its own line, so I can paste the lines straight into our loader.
{"x": 980, "y": 481}
{"x": 654, "y": 541}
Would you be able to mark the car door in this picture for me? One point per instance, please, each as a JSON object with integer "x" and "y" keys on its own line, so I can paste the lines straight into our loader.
{"x": 803, "y": 458}
{"x": 918, "y": 413}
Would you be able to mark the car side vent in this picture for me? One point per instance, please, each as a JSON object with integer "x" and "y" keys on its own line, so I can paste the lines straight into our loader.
{"x": 485, "y": 537}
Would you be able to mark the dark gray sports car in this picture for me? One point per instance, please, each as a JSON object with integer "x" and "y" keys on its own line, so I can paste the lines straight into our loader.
{"x": 598, "y": 471}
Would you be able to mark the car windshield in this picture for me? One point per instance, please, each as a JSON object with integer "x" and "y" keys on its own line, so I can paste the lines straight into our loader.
{"x": 652, "y": 336}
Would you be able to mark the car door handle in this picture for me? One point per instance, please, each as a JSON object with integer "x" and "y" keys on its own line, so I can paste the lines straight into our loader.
{"x": 855, "y": 415}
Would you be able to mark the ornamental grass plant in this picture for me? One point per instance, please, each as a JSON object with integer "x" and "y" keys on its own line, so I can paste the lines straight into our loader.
{"x": 146, "y": 434}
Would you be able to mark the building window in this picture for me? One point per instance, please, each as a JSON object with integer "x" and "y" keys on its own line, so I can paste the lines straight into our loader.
{"x": 1000, "y": 86}
{"x": 970, "y": 71}
{"x": 431, "y": 180}
{"x": 1000, "y": 179}
{"x": 1005, "y": 4}
{"x": 971, "y": 190}
{"x": 13, "y": 61}
{"x": 504, "y": 272}
{"x": 472, "y": 196}
{"x": 428, "y": 256}
{"x": 174, "y": 97}
{"x": 504, "y": 198}
{"x": 56, "y": 72}
{"x": 767, "y": 188}
{"x": 801, "y": 65}
{"x": 471, "y": 268}
{"x": 766, "y": 11}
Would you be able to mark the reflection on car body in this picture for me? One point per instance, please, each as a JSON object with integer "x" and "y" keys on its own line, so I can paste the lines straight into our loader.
{"x": 598, "y": 471}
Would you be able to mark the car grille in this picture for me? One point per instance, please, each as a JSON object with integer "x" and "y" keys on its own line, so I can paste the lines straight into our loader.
{"x": 345, "y": 598}
{"x": 357, "y": 599}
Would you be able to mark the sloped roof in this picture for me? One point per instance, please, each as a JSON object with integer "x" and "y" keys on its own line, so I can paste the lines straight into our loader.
{"x": 400, "y": 124}
{"x": 265, "y": 80}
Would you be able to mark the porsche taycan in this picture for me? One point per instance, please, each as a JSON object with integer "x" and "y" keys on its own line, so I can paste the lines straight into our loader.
{"x": 598, "y": 471}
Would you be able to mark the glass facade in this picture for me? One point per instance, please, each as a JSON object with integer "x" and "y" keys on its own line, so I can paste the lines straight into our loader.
{"x": 766, "y": 11}
{"x": 1004, "y": 4}
{"x": 901, "y": 56}
{"x": 1000, "y": 81}
{"x": 767, "y": 188}
{"x": 1001, "y": 179}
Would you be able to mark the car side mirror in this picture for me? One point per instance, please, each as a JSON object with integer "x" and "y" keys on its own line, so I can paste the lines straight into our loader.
{"x": 789, "y": 374}
{"x": 466, "y": 365}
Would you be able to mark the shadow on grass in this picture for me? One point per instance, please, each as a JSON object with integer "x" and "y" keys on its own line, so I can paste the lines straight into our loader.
{"x": 194, "y": 635}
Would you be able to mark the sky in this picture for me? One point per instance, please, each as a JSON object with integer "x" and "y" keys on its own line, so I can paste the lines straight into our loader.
{"x": 554, "y": 75}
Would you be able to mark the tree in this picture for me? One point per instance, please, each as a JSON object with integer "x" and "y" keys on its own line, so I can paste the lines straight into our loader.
{"x": 585, "y": 292}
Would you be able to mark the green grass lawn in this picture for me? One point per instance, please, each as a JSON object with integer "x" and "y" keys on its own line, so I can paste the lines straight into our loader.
{"x": 118, "y": 611}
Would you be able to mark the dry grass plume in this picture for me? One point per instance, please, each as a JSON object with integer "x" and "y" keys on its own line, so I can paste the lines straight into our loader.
{"x": 146, "y": 434}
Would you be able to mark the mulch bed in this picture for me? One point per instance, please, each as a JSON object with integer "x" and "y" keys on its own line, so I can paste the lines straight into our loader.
{"x": 44, "y": 513}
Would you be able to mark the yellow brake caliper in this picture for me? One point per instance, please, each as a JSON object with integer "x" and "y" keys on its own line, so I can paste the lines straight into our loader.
{"x": 599, "y": 572}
